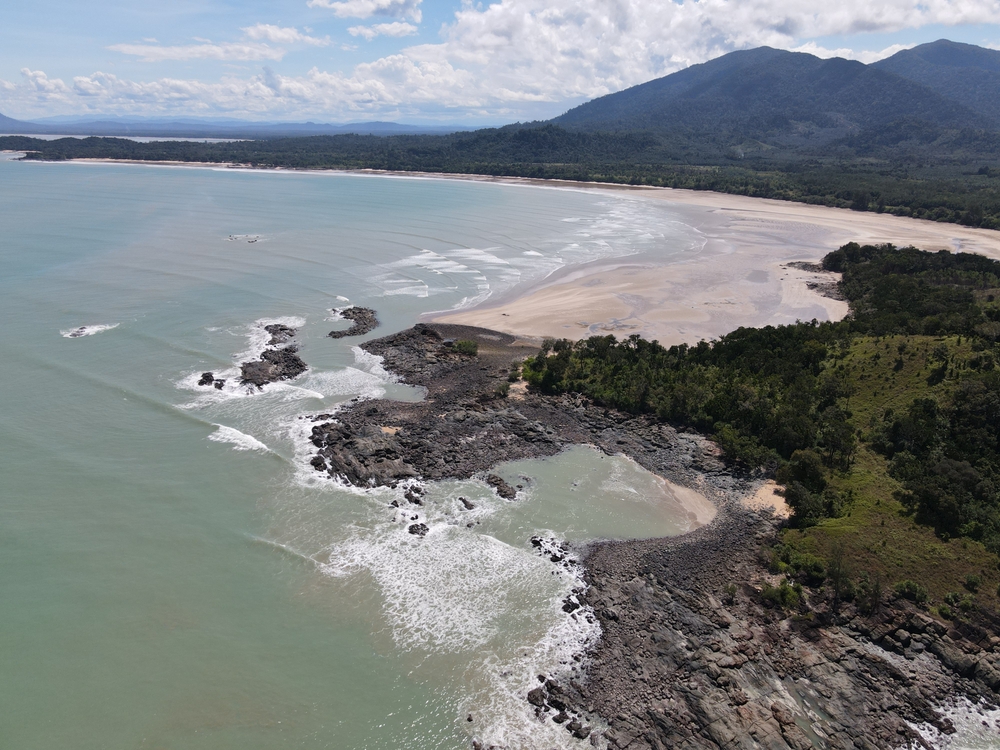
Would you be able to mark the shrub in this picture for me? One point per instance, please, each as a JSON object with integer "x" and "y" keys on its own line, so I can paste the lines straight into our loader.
{"x": 869, "y": 594}
{"x": 784, "y": 596}
{"x": 972, "y": 582}
{"x": 911, "y": 590}
{"x": 502, "y": 389}
{"x": 730, "y": 593}
{"x": 945, "y": 611}
{"x": 466, "y": 346}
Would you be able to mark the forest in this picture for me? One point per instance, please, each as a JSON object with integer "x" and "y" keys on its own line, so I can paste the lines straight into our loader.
{"x": 919, "y": 171}
{"x": 910, "y": 376}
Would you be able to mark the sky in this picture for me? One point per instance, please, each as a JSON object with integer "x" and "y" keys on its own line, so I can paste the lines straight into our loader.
{"x": 417, "y": 61}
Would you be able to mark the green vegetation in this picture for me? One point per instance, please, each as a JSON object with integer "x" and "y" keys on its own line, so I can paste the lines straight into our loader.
{"x": 884, "y": 428}
{"x": 941, "y": 175}
{"x": 466, "y": 346}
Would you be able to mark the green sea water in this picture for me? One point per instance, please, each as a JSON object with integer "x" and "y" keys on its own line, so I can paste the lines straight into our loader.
{"x": 172, "y": 573}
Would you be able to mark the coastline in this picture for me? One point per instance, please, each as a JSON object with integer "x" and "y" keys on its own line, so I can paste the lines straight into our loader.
{"x": 691, "y": 653}
{"x": 742, "y": 277}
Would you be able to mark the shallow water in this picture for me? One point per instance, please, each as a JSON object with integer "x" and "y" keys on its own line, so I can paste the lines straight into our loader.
{"x": 174, "y": 574}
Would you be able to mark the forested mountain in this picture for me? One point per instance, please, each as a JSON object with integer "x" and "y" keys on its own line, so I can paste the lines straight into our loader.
{"x": 965, "y": 73}
{"x": 9, "y": 125}
{"x": 787, "y": 97}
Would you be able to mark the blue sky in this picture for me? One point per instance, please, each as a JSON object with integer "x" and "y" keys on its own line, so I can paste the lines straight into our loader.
{"x": 416, "y": 60}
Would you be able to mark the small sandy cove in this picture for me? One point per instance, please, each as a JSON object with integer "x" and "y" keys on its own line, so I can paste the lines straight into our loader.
{"x": 741, "y": 277}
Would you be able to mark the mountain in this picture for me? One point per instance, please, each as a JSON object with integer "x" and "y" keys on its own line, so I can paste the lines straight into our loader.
{"x": 9, "y": 125}
{"x": 769, "y": 94}
{"x": 965, "y": 73}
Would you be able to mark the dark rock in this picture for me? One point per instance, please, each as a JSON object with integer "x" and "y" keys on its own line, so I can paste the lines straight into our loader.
{"x": 503, "y": 489}
{"x": 468, "y": 504}
{"x": 280, "y": 334}
{"x": 273, "y": 365}
{"x": 207, "y": 378}
{"x": 220, "y": 383}
{"x": 364, "y": 321}
{"x": 561, "y": 717}
{"x": 419, "y": 529}
{"x": 675, "y": 666}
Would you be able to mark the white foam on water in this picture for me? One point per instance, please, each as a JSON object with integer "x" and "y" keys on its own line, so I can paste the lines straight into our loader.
{"x": 342, "y": 299}
{"x": 258, "y": 339}
{"x": 461, "y": 597}
{"x": 977, "y": 727}
{"x": 239, "y": 440}
{"x": 75, "y": 333}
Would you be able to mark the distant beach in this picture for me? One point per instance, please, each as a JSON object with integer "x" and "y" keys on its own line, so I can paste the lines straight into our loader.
{"x": 743, "y": 277}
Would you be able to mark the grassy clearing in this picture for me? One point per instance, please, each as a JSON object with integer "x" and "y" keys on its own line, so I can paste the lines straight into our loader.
{"x": 877, "y": 534}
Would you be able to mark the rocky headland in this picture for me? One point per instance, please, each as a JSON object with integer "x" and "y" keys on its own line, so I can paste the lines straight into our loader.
{"x": 363, "y": 319}
{"x": 693, "y": 653}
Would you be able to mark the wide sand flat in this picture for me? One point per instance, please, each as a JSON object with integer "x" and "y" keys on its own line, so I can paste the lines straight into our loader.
{"x": 740, "y": 278}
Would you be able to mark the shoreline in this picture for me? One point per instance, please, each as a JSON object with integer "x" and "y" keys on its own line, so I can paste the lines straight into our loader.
{"x": 690, "y": 652}
{"x": 741, "y": 277}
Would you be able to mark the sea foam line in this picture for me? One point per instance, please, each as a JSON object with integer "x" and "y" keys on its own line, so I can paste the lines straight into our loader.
{"x": 75, "y": 333}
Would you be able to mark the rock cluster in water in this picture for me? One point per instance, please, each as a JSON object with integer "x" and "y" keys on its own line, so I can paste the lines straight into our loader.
{"x": 274, "y": 364}
{"x": 208, "y": 378}
{"x": 689, "y": 656}
{"x": 364, "y": 321}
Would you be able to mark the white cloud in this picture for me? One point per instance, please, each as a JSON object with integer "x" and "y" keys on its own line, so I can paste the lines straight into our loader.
{"x": 224, "y": 51}
{"x": 282, "y": 35}
{"x": 514, "y": 59}
{"x": 396, "y": 28}
{"x": 43, "y": 88}
{"x": 368, "y": 8}
{"x": 865, "y": 56}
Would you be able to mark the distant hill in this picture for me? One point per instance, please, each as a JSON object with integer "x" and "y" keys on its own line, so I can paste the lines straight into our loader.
{"x": 783, "y": 97}
{"x": 964, "y": 73}
{"x": 194, "y": 127}
{"x": 8, "y": 125}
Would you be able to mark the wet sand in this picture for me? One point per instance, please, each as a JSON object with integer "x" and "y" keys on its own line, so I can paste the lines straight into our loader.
{"x": 742, "y": 277}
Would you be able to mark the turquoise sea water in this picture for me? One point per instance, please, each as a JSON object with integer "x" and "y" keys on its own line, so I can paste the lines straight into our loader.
{"x": 172, "y": 574}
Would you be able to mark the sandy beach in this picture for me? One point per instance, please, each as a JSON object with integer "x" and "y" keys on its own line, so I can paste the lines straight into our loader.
{"x": 742, "y": 277}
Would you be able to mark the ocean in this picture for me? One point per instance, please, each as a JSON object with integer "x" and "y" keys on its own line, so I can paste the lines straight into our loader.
{"x": 173, "y": 574}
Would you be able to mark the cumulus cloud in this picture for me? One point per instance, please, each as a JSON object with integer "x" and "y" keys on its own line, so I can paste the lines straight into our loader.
{"x": 396, "y": 28}
{"x": 368, "y": 8}
{"x": 282, "y": 35}
{"x": 514, "y": 59}
{"x": 224, "y": 51}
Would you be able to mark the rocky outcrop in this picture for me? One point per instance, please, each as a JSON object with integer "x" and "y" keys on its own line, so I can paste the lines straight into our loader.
{"x": 690, "y": 655}
{"x": 280, "y": 334}
{"x": 464, "y": 427}
{"x": 280, "y": 363}
{"x": 273, "y": 365}
{"x": 364, "y": 321}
